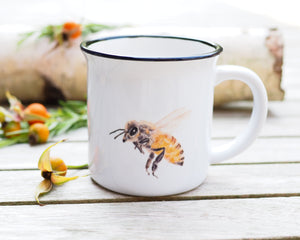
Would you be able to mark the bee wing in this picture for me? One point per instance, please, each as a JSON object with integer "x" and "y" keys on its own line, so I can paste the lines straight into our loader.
{"x": 173, "y": 119}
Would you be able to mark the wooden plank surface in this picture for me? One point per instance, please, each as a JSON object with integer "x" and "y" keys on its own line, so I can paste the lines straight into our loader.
{"x": 274, "y": 127}
{"x": 263, "y": 150}
{"x": 282, "y": 130}
{"x": 276, "y": 109}
{"x": 267, "y": 150}
{"x": 236, "y": 181}
{"x": 283, "y": 120}
{"x": 255, "y": 195}
{"x": 213, "y": 219}
{"x": 73, "y": 153}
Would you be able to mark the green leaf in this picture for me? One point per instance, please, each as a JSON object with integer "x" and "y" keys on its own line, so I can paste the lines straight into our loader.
{"x": 70, "y": 112}
{"x": 93, "y": 28}
{"x": 18, "y": 132}
{"x": 83, "y": 166}
{"x": 79, "y": 124}
{"x": 76, "y": 106}
{"x": 7, "y": 142}
{"x": 72, "y": 115}
{"x": 10, "y": 141}
{"x": 64, "y": 126}
{"x": 48, "y": 31}
{"x": 24, "y": 37}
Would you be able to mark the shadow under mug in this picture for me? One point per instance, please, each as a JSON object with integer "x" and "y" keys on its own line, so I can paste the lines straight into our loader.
{"x": 150, "y": 105}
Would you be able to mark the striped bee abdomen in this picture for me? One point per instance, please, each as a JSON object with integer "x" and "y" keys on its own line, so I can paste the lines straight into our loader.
{"x": 173, "y": 149}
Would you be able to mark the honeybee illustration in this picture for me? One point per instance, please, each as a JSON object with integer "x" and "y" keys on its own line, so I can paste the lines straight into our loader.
{"x": 152, "y": 138}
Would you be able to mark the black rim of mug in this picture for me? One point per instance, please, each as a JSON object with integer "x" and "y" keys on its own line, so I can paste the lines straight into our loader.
{"x": 217, "y": 49}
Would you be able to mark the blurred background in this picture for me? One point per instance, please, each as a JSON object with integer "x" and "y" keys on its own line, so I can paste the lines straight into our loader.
{"x": 216, "y": 13}
{"x": 261, "y": 51}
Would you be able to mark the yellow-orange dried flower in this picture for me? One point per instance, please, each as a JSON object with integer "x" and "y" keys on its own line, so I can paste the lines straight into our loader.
{"x": 53, "y": 171}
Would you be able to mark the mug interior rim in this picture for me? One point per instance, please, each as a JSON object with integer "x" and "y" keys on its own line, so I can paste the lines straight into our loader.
{"x": 85, "y": 48}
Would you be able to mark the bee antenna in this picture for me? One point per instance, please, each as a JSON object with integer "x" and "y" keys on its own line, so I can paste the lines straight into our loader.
{"x": 119, "y": 134}
{"x": 120, "y": 129}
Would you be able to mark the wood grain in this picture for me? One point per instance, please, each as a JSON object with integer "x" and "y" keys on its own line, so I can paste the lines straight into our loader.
{"x": 274, "y": 127}
{"x": 235, "y": 181}
{"x": 23, "y": 156}
{"x": 255, "y": 201}
{"x": 214, "y": 219}
{"x": 283, "y": 149}
{"x": 243, "y": 109}
{"x": 225, "y": 125}
{"x": 282, "y": 130}
{"x": 77, "y": 135}
{"x": 267, "y": 150}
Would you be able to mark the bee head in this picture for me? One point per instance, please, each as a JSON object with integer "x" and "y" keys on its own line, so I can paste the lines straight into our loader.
{"x": 131, "y": 131}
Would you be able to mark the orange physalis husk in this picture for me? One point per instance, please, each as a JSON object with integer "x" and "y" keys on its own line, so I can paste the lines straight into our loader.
{"x": 45, "y": 186}
{"x": 53, "y": 172}
{"x": 59, "y": 180}
{"x": 36, "y": 113}
{"x": 15, "y": 104}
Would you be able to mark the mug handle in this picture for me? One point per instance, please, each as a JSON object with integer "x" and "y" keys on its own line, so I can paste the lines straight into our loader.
{"x": 258, "y": 116}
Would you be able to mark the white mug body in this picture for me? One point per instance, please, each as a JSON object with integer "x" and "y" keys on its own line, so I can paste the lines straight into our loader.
{"x": 164, "y": 87}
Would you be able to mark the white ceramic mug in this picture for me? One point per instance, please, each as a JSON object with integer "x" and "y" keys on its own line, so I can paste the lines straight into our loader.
{"x": 150, "y": 104}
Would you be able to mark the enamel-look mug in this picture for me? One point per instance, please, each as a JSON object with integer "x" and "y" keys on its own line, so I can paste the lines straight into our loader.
{"x": 150, "y": 105}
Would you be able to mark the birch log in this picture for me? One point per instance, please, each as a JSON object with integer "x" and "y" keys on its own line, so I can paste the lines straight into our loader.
{"x": 261, "y": 51}
{"x": 37, "y": 71}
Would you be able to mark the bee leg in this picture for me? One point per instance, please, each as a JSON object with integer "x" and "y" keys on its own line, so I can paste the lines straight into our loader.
{"x": 157, "y": 159}
{"x": 138, "y": 146}
{"x": 143, "y": 142}
{"x": 151, "y": 156}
